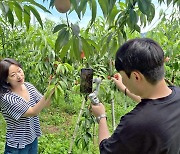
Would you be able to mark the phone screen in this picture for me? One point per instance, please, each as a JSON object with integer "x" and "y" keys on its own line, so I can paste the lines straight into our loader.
{"x": 86, "y": 80}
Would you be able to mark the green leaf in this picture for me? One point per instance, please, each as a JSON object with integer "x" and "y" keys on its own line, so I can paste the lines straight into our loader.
{"x": 86, "y": 47}
{"x": 143, "y": 6}
{"x": 160, "y": 1}
{"x": 60, "y": 89}
{"x": 49, "y": 90}
{"x": 63, "y": 85}
{"x": 121, "y": 19}
{"x": 93, "y": 43}
{"x": 152, "y": 12}
{"x": 74, "y": 7}
{"x": 142, "y": 18}
{"x": 71, "y": 53}
{"x": 62, "y": 69}
{"x": 137, "y": 28}
{"x": 176, "y": 66}
{"x": 109, "y": 38}
{"x": 122, "y": 37}
{"x": 76, "y": 48}
{"x": 133, "y": 17}
{"x": 10, "y": 5}
{"x": 4, "y": 7}
{"x": 36, "y": 14}
{"x": 59, "y": 27}
{"x": 168, "y": 2}
{"x": 58, "y": 70}
{"x": 104, "y": 7}
{"x": 27, "y": 16}
{"x": 70, "y": 68}
{"x": 56, "y": 93}
{"x": 63, "y": 38}
{"x": 94, "y": 11}
{"x": 75, "y": 29}
{"x": 84, "y": 10}
{"x": 18, "y": 11}
{"x": 111, "y": 17}
{"x": 111, "y": 5}
{"x": 10, "y": 17}
{"x": 51, "y": 4}
{"x": 114, "y": 47}
{"x": 1, "y": 30}
{"x": 104, "y": 49}
{"x": 161, "y": 12}
{"x": 39, "y": 5}
{"x": 82, "y": 6}
{"x": 122, "y": 5}
{"x": 65, "y": 49}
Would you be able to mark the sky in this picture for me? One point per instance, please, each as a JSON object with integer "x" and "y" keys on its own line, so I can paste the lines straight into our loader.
{"x": 55, "y": 16}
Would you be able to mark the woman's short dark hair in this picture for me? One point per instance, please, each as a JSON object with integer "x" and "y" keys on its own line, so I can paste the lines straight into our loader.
{"x": 4, "y": 72}
{"x": 143, "y": 55}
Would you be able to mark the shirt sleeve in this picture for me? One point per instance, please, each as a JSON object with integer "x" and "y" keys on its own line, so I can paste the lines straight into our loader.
{"x": 123, "y": 140}
{"x": 13, "y": 106}
{"x": 113, "y": 145}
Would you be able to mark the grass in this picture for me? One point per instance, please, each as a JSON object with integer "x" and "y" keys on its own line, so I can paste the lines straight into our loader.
{"x": 2, "y": 133}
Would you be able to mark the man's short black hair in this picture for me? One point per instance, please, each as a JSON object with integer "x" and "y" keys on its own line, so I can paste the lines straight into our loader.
{"x": 143, "y": 55}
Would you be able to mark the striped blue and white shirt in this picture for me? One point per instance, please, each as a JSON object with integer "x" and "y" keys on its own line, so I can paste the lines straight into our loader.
{"x": 20, "y": 130}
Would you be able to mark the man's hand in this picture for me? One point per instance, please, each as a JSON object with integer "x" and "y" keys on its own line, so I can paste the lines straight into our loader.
{"x": 97, "y": 110}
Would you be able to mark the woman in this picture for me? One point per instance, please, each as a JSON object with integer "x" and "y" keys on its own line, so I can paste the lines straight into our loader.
{"x": 20, "y": 103}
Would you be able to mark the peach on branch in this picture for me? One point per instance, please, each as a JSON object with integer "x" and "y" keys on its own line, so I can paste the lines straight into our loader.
{"x": 62, "y": 6}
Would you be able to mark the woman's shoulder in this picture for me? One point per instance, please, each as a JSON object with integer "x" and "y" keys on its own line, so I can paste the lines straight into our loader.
{"x": 29, "y": 85}
{"x": 8, "y": 96}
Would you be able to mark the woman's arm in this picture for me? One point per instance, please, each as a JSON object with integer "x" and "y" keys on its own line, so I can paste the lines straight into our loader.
{"x": 36, "y": 109}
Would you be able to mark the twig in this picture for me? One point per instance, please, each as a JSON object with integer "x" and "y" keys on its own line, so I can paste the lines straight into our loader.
{"x": 94, "y": 134}
{"x": 169, "y": 82}
{"x": 67, "y": 20}
{"x": 113, "y": 115}
{"x": 112, "y": 100}
{"x": 77, "y": 126}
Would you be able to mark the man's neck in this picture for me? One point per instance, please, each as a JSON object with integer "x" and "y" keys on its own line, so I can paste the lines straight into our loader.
{"x": 157, "y": 91}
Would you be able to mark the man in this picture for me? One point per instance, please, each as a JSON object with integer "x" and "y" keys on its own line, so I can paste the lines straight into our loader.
{"x": 153, "y": 126}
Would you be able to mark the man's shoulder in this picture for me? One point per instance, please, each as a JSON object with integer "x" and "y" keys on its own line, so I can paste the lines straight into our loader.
{"x": 175, "y": 92}
{"x": 143, "y": 114}
{"x": 176, "y": 88}
{"x": 134, "y": 115}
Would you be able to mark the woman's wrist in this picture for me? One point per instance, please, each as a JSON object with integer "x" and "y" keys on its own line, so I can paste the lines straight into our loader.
{"x": 121, "y": 88}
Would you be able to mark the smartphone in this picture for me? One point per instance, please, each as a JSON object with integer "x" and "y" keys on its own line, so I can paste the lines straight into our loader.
{"x": 86, "y": 80}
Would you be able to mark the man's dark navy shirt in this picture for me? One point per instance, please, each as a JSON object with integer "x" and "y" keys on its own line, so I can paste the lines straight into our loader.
{"x": 152, "y": 127}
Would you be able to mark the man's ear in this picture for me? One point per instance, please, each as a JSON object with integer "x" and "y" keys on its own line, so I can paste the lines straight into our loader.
{"x": 137, "y": 75}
